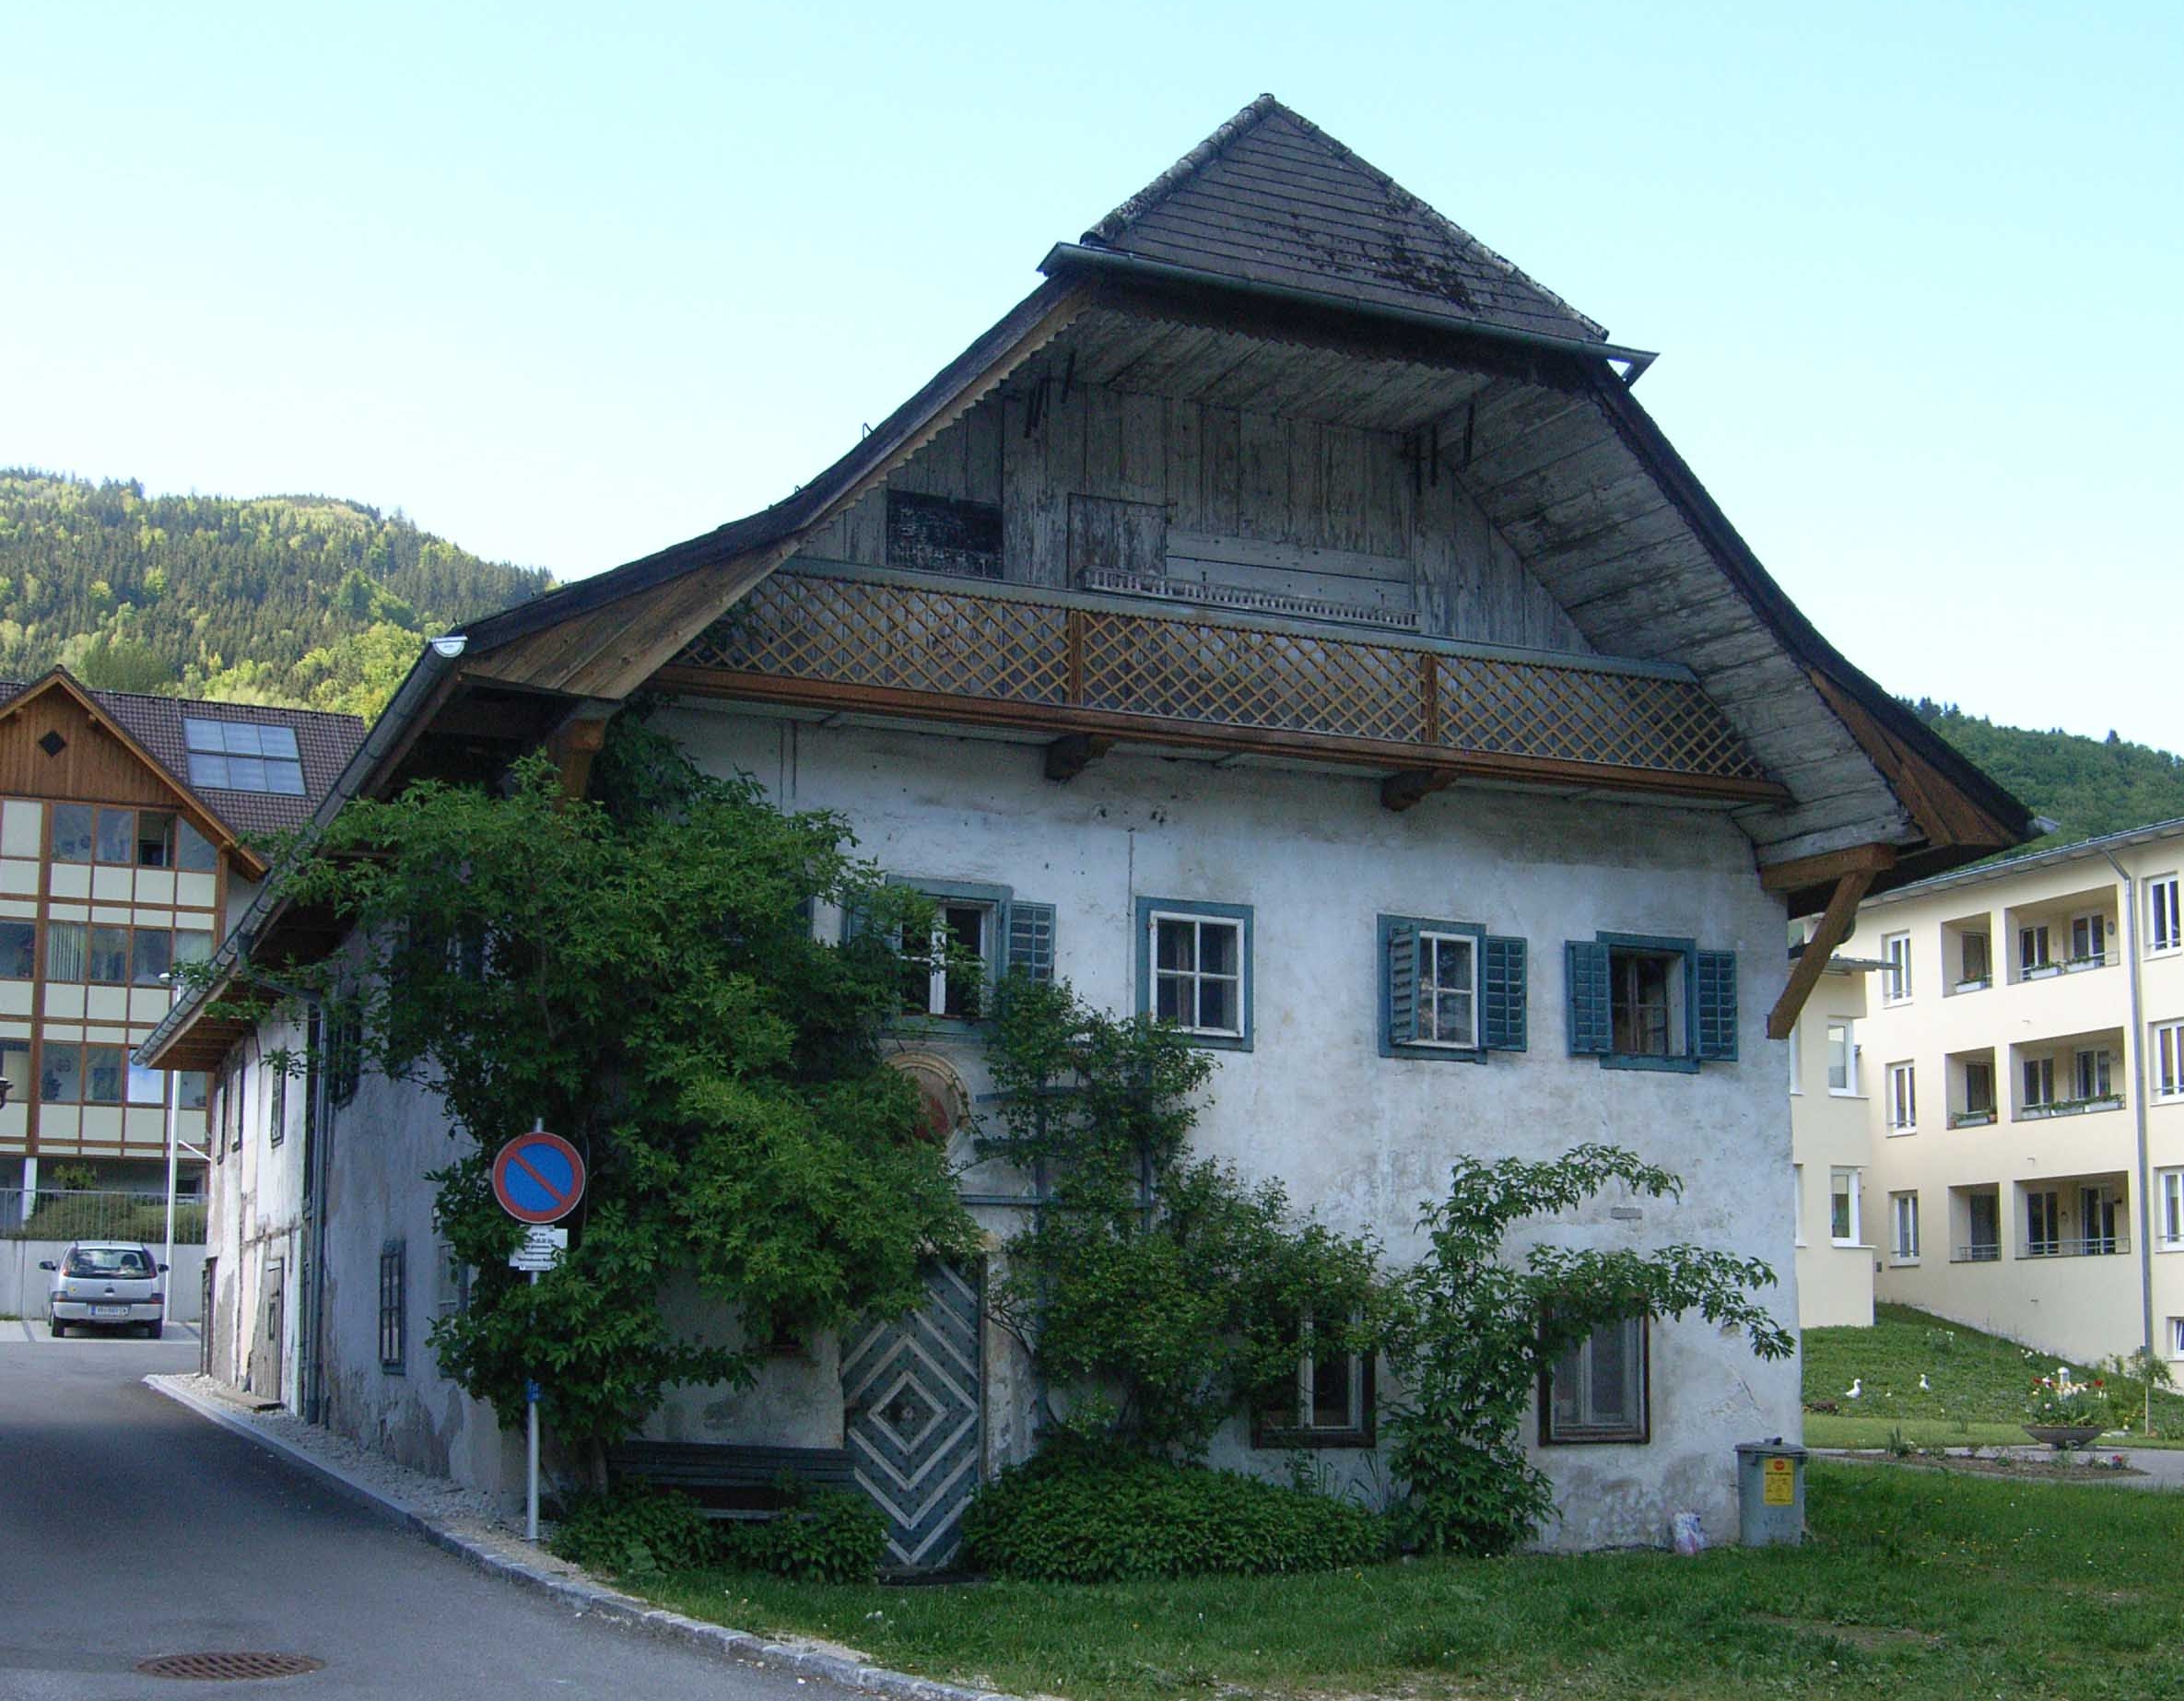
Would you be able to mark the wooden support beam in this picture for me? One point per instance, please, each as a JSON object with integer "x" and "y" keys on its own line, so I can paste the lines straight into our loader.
{"x": 1399, "y": 791}
{"x": 576, "y": 741}
{"x": 1794, "y": 876}
{"x": 1071, "y": 753}
{"x": 1836, "y": 922}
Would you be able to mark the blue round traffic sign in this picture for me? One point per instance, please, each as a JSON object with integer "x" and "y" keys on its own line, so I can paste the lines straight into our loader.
{"x": 538, "y": 1178}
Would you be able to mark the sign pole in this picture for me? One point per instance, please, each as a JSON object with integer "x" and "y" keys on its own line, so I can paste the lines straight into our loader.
{"x": 531, "y": 1451}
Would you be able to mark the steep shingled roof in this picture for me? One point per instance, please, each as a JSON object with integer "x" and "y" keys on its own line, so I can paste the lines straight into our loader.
{"x": 324, "y": 741}
{"x": 1269, "y": 198}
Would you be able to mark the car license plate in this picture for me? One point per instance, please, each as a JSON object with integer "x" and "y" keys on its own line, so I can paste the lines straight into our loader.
{"x": 110, "y": 1311}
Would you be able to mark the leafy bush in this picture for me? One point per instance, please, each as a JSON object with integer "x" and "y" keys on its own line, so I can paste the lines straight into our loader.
{"x": 636, "y": 1532}
{"x": 1075, "y": 1515}
{"x": 833, "y": 1537}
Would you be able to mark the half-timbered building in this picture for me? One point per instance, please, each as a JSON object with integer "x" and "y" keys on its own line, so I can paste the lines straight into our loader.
{"x": 1286, "y": 622}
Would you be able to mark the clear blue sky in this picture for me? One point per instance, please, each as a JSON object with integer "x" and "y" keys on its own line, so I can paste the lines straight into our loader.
{"x": 568, "y": 283}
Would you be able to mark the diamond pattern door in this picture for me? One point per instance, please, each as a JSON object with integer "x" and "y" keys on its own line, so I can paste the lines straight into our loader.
{"x": 912, "y": 1390}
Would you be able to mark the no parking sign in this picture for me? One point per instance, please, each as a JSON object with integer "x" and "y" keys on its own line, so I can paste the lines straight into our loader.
{"x": 538, "y": 1177}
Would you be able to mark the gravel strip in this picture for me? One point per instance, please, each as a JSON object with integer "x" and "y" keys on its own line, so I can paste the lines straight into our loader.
{"x": 471, "y": 1525}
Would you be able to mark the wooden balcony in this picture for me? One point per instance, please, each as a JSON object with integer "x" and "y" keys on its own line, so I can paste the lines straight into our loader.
{"x": 1104, "y": 669}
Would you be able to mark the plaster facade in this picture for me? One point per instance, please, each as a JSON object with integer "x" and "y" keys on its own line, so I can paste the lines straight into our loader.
{"x": 1833, "y": 1149}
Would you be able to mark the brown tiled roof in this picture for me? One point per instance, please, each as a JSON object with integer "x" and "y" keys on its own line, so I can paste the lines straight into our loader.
{"x": 324, "y": 742}
{"x": 1269, "y": 198}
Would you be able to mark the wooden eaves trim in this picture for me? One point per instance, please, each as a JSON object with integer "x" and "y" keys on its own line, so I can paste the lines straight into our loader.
{"x": 1058, "y": 720}
{"x": 201, "y": 813}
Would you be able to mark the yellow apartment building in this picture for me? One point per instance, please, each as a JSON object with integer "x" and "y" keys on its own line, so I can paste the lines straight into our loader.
{"x": 2015, "y": 1064}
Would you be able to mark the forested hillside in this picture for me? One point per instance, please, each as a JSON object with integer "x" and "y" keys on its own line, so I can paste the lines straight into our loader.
{"x": 302, "y": 600}
{"x": 2088, "y": 786}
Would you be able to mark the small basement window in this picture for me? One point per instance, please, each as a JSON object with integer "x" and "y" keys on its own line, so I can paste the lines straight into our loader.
{"x": 1596, "y": 1391}
{"x": 1334, "y": 1405}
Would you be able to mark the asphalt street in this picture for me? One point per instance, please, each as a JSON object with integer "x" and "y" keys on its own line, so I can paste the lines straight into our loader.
{"x": 130, "y": 1527}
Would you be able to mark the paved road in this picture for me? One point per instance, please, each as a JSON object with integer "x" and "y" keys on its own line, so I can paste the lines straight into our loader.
{"x": 131, "y": 1526}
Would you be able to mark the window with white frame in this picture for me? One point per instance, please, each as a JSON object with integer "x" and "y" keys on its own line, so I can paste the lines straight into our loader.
{"x": 948, "y": 977}
{"x": 1447, "y": 991}
{"x": 1333, "y": 1401}
{"x": 1797, "y": 1202}
{"x": 1196, "y": 968}
{"x": 1978, "y": 1089}
{"x": 1977, "y": 962}
{"x": 1797, "y": 1059}
{"x": 1596, "y": 1390}
{"x": 1842, "y": 1058}
{"x": 2090, "y": 1074}
{"x": 2089, "y": 938}
{"x": 2039, "y": 1081}
{"x": 2177, "y": 1337}
{"x": 1895, "y": 980}
{"x": 1842, "y": 1208}
{"x": 2032, "y": 949}
{"x": 2169, "y": 1059}
{"x": 1903, "y": 1097}
{"x": 2162, "y": 932}
{"x": 2169, "y": 1225}
{"x": 1903, "y": 1227}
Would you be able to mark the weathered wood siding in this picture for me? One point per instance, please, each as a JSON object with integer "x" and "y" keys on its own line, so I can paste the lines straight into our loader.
{"x": 1129, "y": 482}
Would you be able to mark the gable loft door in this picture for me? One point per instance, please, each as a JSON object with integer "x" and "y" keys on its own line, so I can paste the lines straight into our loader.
{"x": 913, "y": 1395}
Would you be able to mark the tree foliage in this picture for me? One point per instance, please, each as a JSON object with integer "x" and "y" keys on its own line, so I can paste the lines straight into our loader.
{"x": 1160, "y": 1293}
{"x": 307, "y": 600}
{"x": 1479, "y": 1332}
{"x": 637, "y": 972}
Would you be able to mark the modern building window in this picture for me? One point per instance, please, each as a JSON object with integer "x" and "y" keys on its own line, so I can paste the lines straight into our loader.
{"x": 241, "y": 755}
{"x": 65, "y": 958}
{"x": 2039, "y": 1081}
{"x": 1596, "y": 1391}
{"x": 75, "y": 829}
{"x": 2032, "y": 949}
{"x": 2169, "y": 1059}
{"x": 1843, "y": 1227}
{"x": 192, "y": 944}
{"x": 18, "y": 950}
{"x": 2177, "y": 1337}
{"x": 1895, "y": 980}
{"x": 276, "y": 1105}
{"x": 1982, "y": 1213}
{"x": 60, "y": 1075}
{"x": 1842, "y": 1058}
{"x": 1977, "y": 962}
{"x": 116, "y": 838}
{"x": 1903, "y": 1227}
{"x": 2043, "y": 1222}
{"x": 2092, "y": 1073}
{"x": 2169, "y": 1224}
{"x": 393, "y": 1333}
{"x": 2163, "y": 931}
{"x": 2089, "y": 940}
{"x": 1796, "y": 1203}
{"x": 1797, "y": 1060}
{"x": 1194, "y": 963}
{"x": 2096, "y": 1221}
{"x": 194, "y": 1090}
{"x": 1903, "y": 1097}
{"x": 146, "y": 1086}
{"x": 109, "y": 956}
{"x": 1978, "y": 1089}
{"x": 151, "y": 954}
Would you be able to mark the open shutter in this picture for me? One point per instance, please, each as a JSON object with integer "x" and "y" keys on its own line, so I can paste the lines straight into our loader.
{"x": 1503, "y": 986}
{"x": 1717, "y": 1007}
{"x": 1401, "y": 974}
{"x": 1592, "y": 1031}
{"x": 1030, "y": 940}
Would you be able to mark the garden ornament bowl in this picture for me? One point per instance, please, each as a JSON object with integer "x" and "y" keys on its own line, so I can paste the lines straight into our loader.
{"x": 2064, "y": 1436}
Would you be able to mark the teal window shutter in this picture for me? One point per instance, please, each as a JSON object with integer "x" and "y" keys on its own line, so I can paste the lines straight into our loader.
{"x": 1591, "y": 1030}
{"x": 1030, "y": 940}
{"x": 1502, "y": 993}
{"x": 1717, "y": 1007}
{"x": 1400, "y": 974}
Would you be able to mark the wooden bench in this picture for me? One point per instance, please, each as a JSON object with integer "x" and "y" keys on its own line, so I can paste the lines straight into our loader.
{"x": 730, "y": 1480}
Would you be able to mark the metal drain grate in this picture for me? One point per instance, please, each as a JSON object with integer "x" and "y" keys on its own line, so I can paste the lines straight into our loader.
{"x": 229, "y": 1668}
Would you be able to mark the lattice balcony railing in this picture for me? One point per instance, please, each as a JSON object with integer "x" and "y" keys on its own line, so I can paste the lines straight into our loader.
{"x": 874, "y": 644}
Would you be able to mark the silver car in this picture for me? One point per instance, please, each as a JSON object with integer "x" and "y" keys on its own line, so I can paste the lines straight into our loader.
{"x": 106, "y": 1284}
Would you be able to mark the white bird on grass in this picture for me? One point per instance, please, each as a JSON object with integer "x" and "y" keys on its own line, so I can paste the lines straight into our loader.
{"x": 1856, "y": 1389}
{"x": 1924, "y": 1386}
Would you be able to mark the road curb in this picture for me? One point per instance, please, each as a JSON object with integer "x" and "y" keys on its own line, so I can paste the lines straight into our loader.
{"x": 580, "y": 1594}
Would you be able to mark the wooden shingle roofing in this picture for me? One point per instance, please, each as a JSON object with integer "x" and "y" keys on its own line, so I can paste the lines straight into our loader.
{"x": 1270, "y": 199}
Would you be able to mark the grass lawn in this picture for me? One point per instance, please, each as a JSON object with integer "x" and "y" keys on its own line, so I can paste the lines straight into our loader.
{"x": 1976, "y": 1384}
{"x": 1914, "y": 1585}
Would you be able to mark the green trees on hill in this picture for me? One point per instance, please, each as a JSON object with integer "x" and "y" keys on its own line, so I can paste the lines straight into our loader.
{"x": 304, "y": 600}
{"x": 2088, "y": 786}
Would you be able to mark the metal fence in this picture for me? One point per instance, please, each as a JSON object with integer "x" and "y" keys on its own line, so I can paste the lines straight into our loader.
{"x": 56, "y": 1213}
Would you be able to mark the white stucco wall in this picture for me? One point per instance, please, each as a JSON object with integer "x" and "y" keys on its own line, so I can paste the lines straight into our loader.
{"x": 1360, "y": 1138}
{"x": 254, "y": 1224}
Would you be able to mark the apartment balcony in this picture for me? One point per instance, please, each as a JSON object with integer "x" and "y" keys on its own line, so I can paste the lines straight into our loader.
{"x": 1972, "y": 1118}
{"x": 2066, "y": 1106}
{"x": 2069, "y": 1075}
{"x": 2062, "y": 936}
{"x": 1088, "y": 671}
{"x": 2078, "y": 1246}
{"x": 1976, "y": 1252}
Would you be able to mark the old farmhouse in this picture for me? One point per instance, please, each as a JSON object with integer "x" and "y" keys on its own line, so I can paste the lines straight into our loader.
{"x": 1285, "y": 621}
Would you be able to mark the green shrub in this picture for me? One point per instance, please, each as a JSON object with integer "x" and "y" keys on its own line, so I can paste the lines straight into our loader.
{"x": 636, "y": 1532}
{"x": 834, "y": 1536}
{"x": 1075, "y": 1516}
